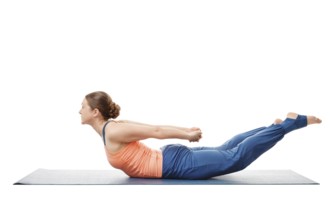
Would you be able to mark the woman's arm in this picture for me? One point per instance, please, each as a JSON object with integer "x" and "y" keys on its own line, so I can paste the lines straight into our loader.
{"x": 132, "y": 131}
{"x": 168, "y": 126}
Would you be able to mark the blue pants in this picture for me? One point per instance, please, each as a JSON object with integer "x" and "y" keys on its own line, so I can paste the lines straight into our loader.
{"x": 181, "y": 162}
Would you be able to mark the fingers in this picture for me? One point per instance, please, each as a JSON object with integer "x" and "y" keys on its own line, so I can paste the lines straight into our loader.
{"x": 196, "y": 136}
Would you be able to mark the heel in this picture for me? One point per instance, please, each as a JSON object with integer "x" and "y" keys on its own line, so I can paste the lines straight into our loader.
{"x": 290, "y": 124}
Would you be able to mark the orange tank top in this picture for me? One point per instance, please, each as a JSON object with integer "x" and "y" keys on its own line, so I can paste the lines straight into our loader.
{"x": 137, "y": 160}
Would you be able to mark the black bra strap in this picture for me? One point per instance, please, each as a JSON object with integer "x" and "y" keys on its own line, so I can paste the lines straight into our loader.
{"x": 103, "y": 131}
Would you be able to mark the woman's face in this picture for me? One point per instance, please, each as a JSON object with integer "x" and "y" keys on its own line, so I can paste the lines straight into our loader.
{"x": 86, "y": 112}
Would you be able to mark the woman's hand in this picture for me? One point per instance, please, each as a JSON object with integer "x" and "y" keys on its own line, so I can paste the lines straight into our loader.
{"x": 194, "y": 134}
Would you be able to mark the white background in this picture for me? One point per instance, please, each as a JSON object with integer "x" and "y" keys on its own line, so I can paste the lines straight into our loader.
{"x": 224, "y": 66}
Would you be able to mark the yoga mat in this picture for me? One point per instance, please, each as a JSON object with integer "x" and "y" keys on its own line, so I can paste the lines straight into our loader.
{"x": 116, "y": 177}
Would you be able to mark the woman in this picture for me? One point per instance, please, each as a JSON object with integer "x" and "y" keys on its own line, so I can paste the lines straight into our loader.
{"x": 125, "y": 151}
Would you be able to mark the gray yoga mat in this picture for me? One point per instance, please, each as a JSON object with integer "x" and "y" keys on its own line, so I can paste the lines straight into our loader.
{"x": 116, "y": 177}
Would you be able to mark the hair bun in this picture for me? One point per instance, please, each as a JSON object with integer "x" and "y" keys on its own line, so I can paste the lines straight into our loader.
{"x": 114, "y": 110}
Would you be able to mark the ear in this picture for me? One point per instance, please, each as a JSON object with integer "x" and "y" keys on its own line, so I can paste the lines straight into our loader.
{"x": 96, "y": 112}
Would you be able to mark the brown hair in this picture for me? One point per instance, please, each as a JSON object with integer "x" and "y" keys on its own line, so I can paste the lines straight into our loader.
{"x": 103, "y": 102}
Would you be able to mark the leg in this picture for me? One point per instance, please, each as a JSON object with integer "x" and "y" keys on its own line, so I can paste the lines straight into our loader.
{"x": 209, "y": 163}
{"x": 234, "y": 141}
{"x": 254, "y": 146}
{"x": 231, "y": 143}
{"x": 202, "y": 164}
{"x": 292, "y": 122}
{"x": 181, "y": 162}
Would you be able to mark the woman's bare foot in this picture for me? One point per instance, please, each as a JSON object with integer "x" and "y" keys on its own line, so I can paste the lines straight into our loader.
{"x": 278, "y": 121}
{"x": 310, "y": 119}
{"x": 313, "y": 120}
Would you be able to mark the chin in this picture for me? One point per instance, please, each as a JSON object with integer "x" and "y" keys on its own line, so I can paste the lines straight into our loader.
{"x": 85, "y": 123}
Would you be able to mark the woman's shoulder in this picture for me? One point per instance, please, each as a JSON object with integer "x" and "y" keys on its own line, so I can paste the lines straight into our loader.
{"x": 116, "y": 128}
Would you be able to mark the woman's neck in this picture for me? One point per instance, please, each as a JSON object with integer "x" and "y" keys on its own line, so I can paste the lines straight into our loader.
{"x": 98, "y": 126}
